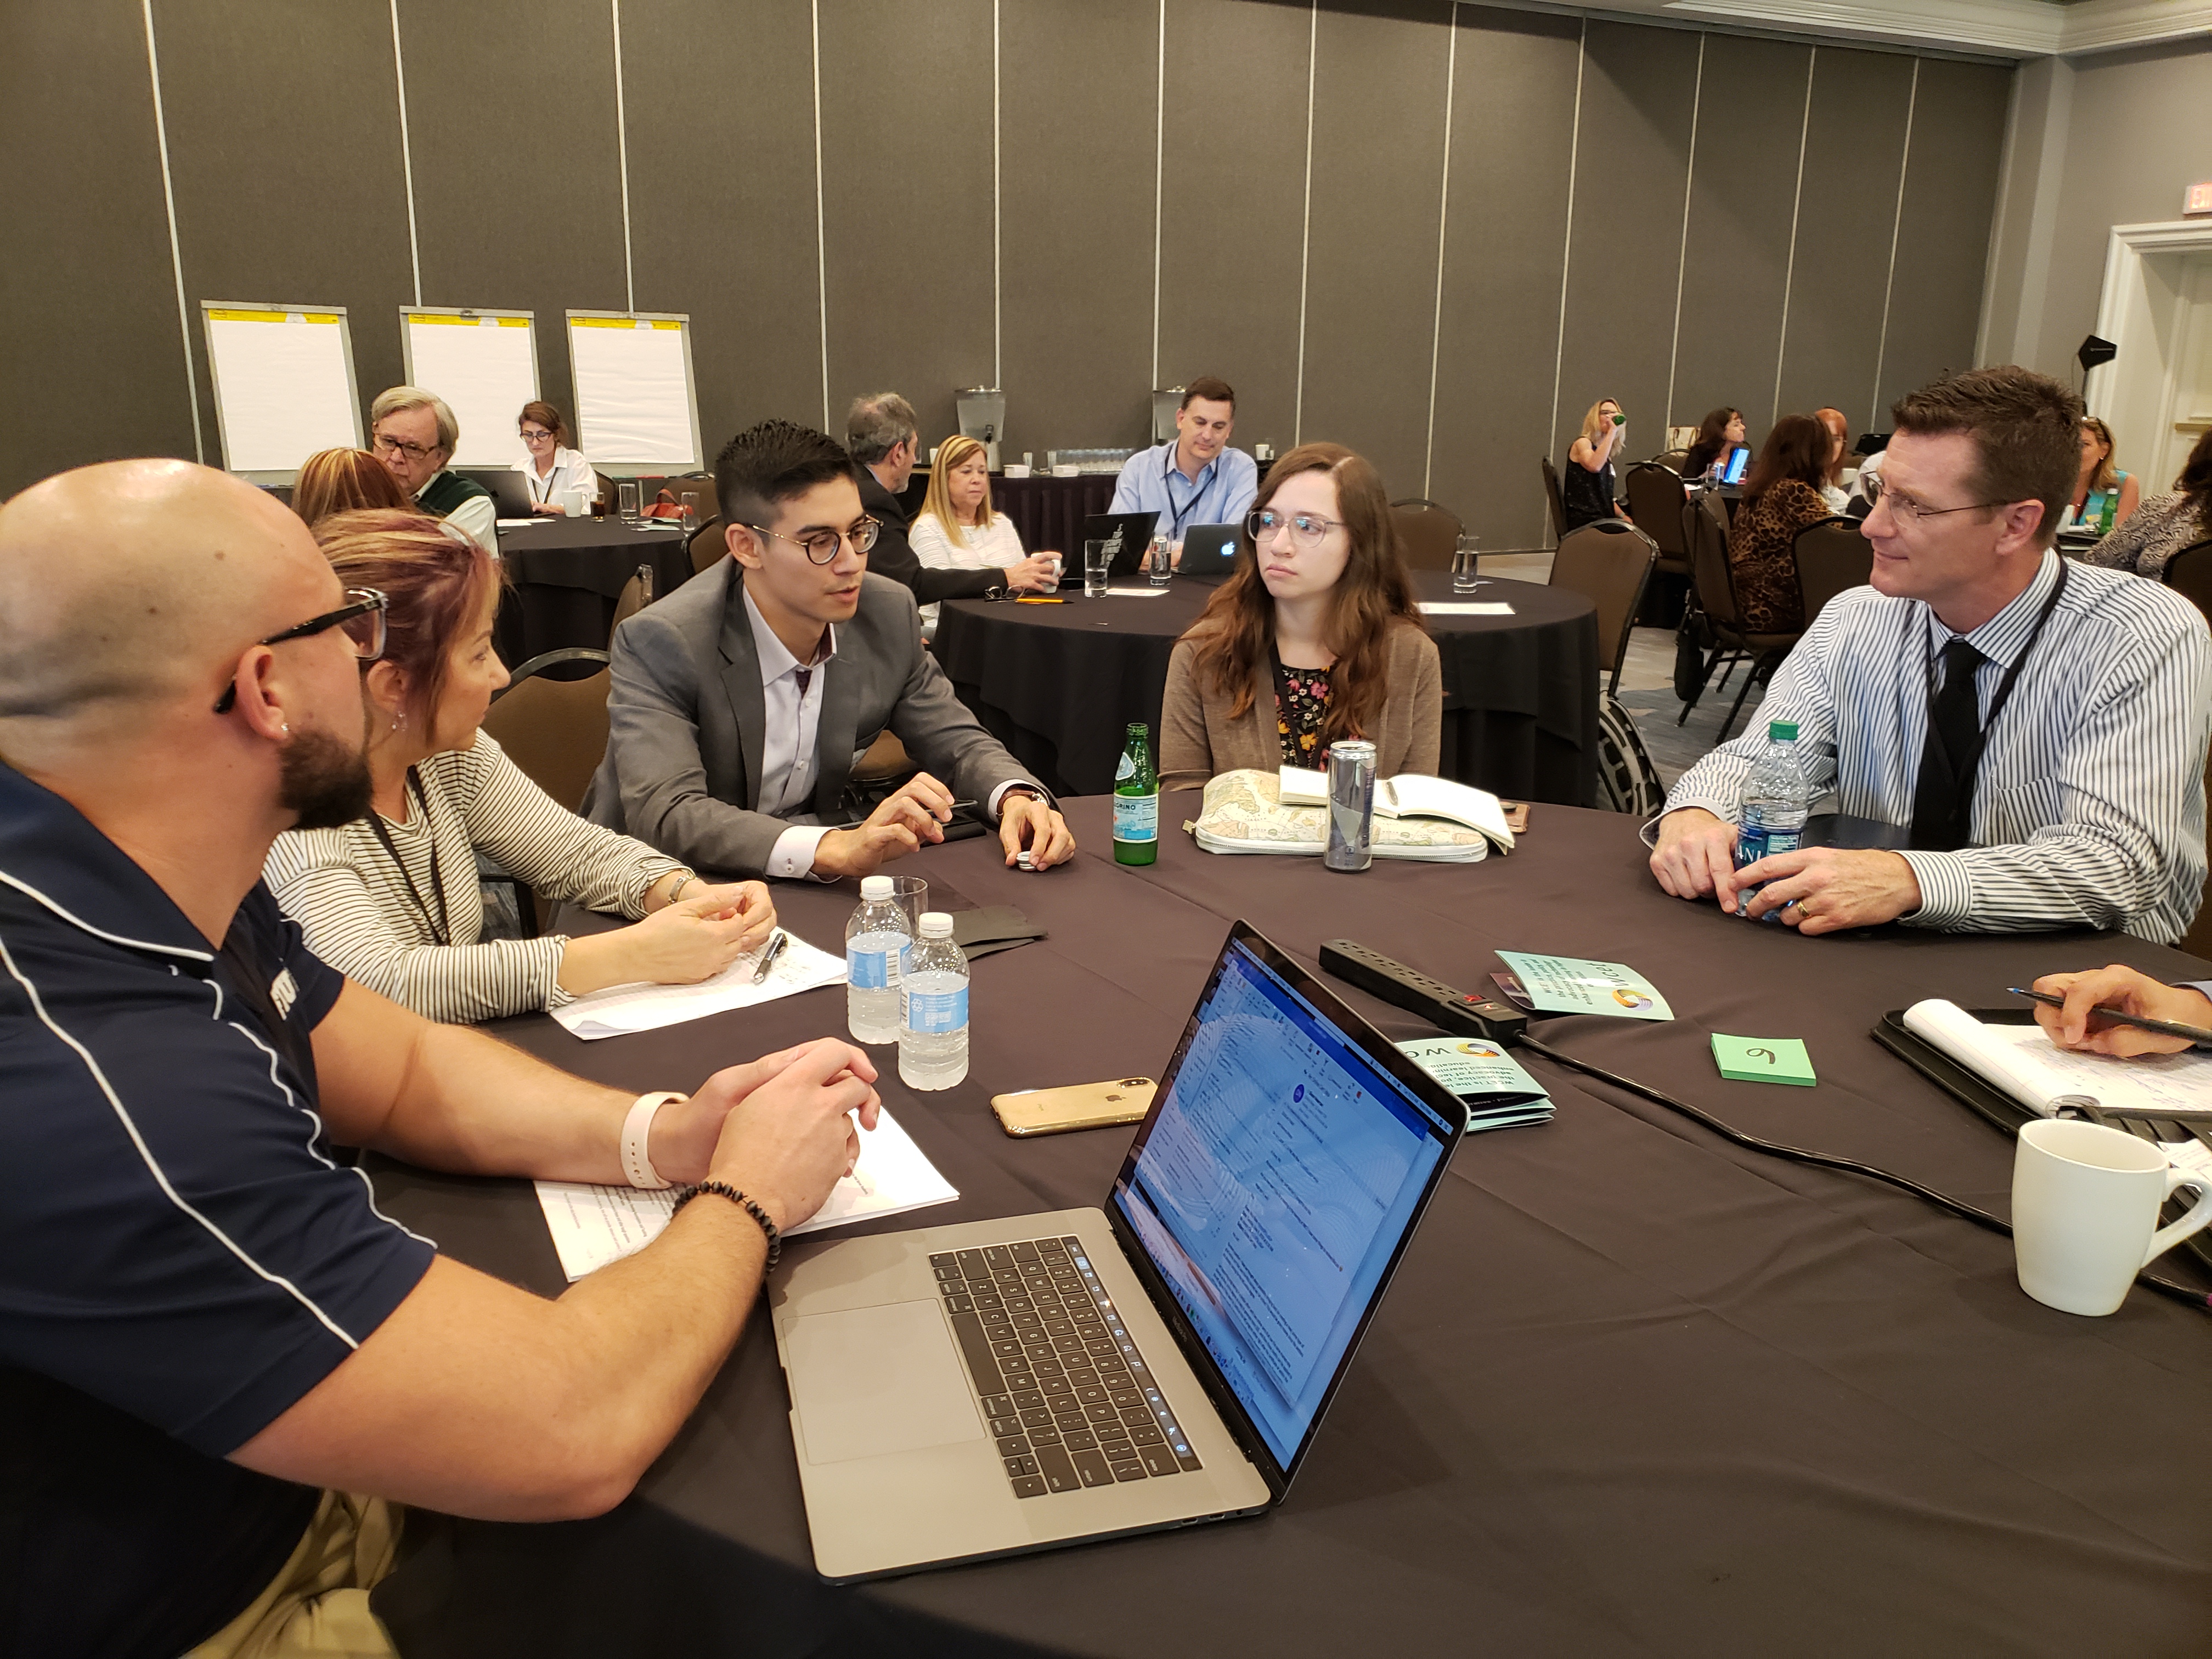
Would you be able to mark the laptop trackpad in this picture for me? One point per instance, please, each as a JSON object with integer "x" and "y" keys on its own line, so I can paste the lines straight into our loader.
{"x": 871, "y": 1381}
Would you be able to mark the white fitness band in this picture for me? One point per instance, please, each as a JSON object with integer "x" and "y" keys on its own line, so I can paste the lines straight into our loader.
{"x": 637, "y": 1134}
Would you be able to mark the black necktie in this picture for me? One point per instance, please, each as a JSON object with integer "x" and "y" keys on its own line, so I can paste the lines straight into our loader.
{"x": 1943, "y": 799}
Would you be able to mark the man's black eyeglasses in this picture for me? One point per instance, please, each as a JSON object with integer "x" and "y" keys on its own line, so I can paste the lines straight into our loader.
{"x": 822, "y": 546}
{"x": 361, "y": 618}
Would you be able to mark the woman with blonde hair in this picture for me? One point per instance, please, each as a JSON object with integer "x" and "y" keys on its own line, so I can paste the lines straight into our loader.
{"x": 2104, "y": 497}
{"x": 1586, "y": 487}
{"x": 957, "y": 528}
{"x": 1314, "y": 637}
{"x": 391, "y": 900}
{"x": 342, "y": 481}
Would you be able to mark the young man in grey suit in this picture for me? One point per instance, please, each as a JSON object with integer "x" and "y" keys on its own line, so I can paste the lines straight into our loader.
{"x": 739, "y": 702}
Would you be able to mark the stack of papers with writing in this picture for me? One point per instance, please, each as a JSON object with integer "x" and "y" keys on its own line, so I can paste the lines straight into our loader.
{"x": 592, "y": 1225}
{"x": 620, "y": 1010}
{"x": 1244, "y": 812}
{"x": 1409, "y": 795}
{"x": 1464, "y": 608}
{"x": 1497, "y": 1093}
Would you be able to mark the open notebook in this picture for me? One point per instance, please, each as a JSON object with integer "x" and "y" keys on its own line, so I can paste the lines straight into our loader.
{"x": 1409, "y": 795}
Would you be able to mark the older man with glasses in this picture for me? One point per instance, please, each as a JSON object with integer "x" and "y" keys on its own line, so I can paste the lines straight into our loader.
{"x": 2034, "y": 730}
{"x": 740, "y": 702}
{"x": 413, "y": 433}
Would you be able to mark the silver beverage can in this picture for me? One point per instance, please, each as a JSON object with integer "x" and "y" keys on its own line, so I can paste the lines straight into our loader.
{"x": 1351, "y": 805}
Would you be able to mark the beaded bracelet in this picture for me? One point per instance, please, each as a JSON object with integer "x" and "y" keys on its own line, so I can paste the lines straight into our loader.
{"x": 723, "y": 1189}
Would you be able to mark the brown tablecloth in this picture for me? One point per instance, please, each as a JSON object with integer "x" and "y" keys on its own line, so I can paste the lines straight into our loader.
{"x": 567, "y": 574}
{"x": 1058, "y": 684}
{"x": 1633, "y": 1391}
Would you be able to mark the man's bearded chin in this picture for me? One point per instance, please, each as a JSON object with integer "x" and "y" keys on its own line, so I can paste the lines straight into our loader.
{"x": 326, "y": 783}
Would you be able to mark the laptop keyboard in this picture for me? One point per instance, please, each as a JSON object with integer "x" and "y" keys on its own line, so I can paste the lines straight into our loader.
{"x": 1068, "y": 1397}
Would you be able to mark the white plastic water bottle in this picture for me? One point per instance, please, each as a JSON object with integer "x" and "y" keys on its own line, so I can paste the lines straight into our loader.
{"x": 934, "y": 1038}
{"x": 1776, "y": 801}
{"x": 878, "y": 947}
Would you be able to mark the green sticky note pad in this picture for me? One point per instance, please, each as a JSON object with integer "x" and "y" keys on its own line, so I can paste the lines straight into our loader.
{"x": 1764, "y": 1059}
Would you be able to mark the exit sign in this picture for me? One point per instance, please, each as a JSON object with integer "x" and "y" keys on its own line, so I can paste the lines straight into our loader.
{"x": 2198, "y": 199}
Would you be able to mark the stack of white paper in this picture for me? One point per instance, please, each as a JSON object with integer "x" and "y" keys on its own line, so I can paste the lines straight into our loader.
{"x": 620, "y": 1010}
{"x": 594, "y": 1225}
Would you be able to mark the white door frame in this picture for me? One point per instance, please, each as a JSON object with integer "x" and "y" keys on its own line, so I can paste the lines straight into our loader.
{"x": 2139, "y": 312}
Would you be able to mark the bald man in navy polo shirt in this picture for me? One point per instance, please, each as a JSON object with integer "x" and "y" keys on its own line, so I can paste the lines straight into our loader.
{"x": 211, "y": 1343}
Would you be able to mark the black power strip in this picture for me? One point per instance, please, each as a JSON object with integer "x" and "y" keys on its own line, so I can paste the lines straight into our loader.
{"x": 1442, "y": 1006}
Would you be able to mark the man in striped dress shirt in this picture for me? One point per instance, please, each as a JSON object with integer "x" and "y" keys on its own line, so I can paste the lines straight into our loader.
{"x": 2041, "y": 727}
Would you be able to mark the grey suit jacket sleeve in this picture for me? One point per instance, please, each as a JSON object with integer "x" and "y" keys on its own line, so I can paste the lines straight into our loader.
{"x": 652, "y": 750}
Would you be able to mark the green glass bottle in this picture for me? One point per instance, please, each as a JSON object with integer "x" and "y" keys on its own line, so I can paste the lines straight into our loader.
{"x": 1136, "y": 800}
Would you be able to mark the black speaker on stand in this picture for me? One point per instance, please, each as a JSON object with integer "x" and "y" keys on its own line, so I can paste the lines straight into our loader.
{"x": 2094, "y": 353}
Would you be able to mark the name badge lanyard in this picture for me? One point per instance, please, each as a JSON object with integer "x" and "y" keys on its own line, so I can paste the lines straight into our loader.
{"x": 1198, "y": 494}
{"x": 440, "y": 925}
{"x": 1967, "y": 770}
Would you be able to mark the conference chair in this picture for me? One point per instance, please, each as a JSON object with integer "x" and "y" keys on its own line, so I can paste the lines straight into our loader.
{"x": 707, "y": 545}
{"x": 1832, "y": 558}
{"x": 1429, "y": 533}
{"x": 1654, "y": 503}
{"x": 555, "y": 730}
{"x": 1552, "y": 499}
{"x": 2189, "y": 573}
{"x": 1672, "y": 460}
{"x": 1608, "y": 561}
{"x": 1715, "y": 583}
{"x": 636, "y": 594}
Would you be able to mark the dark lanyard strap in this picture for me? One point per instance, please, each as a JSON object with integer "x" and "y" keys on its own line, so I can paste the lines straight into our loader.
{"x": 1968, "y": 768}
{"x": 1175, "y": 519}
{"x": 440, "y": 925}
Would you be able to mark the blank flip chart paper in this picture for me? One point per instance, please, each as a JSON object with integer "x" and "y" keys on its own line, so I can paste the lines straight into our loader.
{"x": 283, "y": 384}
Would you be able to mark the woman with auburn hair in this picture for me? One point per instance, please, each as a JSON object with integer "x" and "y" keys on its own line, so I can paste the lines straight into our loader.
{"x": 1832, "y": 487}
{"x": 550, "y": 469}
{"x": 392, "y": 899}
{"x": 1314, "y": 637}
{"x": 957, "y": 529}
{"x": 1780, "y": 498}
{"x": 1586, "y": 486}
{"x": 342, "y": 481}
{"x": 2105, "y": 498}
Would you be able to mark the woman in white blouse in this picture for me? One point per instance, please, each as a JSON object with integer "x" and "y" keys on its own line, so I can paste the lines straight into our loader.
{"x": 390, "y": 900}
{"x": 955, "y": 528}
{"x": 552, "y": 469}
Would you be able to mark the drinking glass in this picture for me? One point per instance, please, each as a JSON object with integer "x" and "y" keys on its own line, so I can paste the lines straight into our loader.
{"x": 1097, "y": 561}
{"x": 626, "y": 495}
{"x": 1160, "y": 563}
{"x": 1463, "y": 577}
{"x": 911, "y": 895}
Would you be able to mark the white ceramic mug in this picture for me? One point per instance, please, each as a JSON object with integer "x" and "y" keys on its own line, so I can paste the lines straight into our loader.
{"x": 2085, "y": 1202}
{"x": 578, "y": 501}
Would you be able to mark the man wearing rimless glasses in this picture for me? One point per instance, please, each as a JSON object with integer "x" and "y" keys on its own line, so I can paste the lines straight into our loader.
{"x": 2033, "y": 731}
{"x": 739, "y": 703}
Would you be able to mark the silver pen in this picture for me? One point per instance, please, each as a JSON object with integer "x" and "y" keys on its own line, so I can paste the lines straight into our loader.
{"x": 776, "y": 945}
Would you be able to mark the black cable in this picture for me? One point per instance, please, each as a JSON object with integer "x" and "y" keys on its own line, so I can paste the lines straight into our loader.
{"x": 2196, "y": 1299}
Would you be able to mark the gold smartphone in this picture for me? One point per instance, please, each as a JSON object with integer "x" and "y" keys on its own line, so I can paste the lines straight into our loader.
{"x": 1079, "y": 1106}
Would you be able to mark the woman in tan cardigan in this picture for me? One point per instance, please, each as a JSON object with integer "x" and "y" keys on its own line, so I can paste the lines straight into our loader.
{"x": 1314, "y": 638}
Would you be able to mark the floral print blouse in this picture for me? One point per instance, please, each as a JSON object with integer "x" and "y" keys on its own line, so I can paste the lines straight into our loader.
{"x": 1302, "y": 697}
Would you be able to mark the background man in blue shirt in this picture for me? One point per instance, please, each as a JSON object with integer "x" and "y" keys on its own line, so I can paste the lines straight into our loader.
{"x": 1197, "y": 479}
{"x": 203, "y": 1318}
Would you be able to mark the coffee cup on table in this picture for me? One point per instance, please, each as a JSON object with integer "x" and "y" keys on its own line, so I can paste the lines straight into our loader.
{"x": 578, "y": 503}
{"x": 2085, "y": 1204}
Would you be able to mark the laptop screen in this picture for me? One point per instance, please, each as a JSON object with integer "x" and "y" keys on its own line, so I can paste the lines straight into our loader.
{"x": 1276, "y": 1181}
{"x": 1739, "y": 458}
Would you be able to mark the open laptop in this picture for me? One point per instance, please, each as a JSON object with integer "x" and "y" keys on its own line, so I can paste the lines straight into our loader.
{"x": 1131, "y": 533}
{"x": 1739, "y": 458}
{"x": 996, "y": 1387}
{"x": 1209, "y": 549}
{"x": 510, "y": 492}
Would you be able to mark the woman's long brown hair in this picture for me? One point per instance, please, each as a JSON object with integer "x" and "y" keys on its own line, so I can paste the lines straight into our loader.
{"x": 1235, "y": 635}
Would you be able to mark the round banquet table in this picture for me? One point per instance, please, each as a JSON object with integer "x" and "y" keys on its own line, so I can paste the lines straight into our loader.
{"x": 567, "y": 574}
{"x": 1058, "y": 684}
{"x": 1633, "y": 1390}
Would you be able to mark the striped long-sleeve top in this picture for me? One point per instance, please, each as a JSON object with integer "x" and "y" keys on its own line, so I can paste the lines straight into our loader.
{"x": 362, "y": 917}
{"x": 2089, "y": 807}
